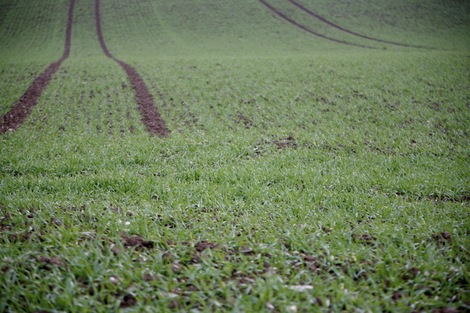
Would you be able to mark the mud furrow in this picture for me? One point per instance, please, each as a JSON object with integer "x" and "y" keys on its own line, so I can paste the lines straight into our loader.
{"x": 305, "y": 28}
{"x": 146, "y": 105}
{"x": 25, "y": 105}
{"x": 324, "y": 20}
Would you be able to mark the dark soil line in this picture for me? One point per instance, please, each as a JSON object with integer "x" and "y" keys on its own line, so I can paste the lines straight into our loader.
{"x": 146, "y": 105}
{"x": 298, "y": 25}
{"x": 324, "y": 20}
{"x": 24, "y": 106}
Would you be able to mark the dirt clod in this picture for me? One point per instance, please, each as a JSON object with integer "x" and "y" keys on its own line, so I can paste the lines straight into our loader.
{"x": 411, "y": 273}
{"x": 148, "y": 277}
{"x": 128, "y": 301}
{"x": 247, "y": 250}
{"x": 19, "y": 237}
{"x": 50, "y": 261}
{"x": 465, "y": 198}
{"x": 445, "y": 310}
{"x": 168, "y": 257}
{"x": 56, "y": 221}
{"x": 241, "y": 118}
{"x": 136, "y": 242}
{"x": 176, "y": 268}
{"x": 442, "y": 238}
{"x": 288, "y": 142}
{"x": 396, "y": 296}
{"x": 203, "y": 245}
{"x": 174, "y": 304}
{"x": 364, "y": 238}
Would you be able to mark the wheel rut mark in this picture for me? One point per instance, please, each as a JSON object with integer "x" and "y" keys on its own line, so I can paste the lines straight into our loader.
{"x": 16, "y": 116}
{"x": 146, "y": 105}
{"x": 328, "y": 22}
{"x": 305, "y": 28}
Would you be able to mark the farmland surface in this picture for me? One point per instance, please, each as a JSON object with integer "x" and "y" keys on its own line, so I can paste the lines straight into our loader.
{"x": 245, "y": 156}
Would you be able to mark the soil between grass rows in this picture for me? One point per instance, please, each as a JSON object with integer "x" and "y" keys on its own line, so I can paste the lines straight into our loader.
{"x": 324, "y": 20}
{"x": 305, "y": 28}
{"x": 146, "y": 105}
{"x": 24, "y": 106}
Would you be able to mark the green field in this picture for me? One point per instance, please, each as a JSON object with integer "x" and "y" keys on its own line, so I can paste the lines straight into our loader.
{"x": 300, "y": 174}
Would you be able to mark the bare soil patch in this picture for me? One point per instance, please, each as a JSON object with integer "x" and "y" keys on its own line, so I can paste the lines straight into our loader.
{"x": 288, "y": 142}
{"x": 25, "y": 105}
{"x": 136, "y": 242}
{"x": 47, "y": 262}
{"x": 241, "y": 118}
{"x": 128, "y": 301}
{"x": 442, "y": 239}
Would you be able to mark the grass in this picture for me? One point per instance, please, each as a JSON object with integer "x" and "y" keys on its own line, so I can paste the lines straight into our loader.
{"x": 300, "y": 175}
{"x": 408, "y": 22}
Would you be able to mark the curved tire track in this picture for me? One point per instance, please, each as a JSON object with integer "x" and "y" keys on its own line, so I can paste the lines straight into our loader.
{"x": 305, "y": 28}
{"x": 146, "y": 105}
{"x": 324, "y": 20}
{"x": 25, "y": 105}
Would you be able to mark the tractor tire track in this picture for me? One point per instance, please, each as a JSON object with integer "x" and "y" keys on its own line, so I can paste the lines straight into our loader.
{"x": 324, "y": 20}
{"x": 25, "y": 105}
{"x": 305, "y": 28}
{"x": 146, "y": 105}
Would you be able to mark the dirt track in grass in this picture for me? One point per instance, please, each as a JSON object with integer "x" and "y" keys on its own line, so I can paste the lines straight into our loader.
{"x": 305, "y": 28}
{"x": 324, "y": 20}
{"x": 25, "y": 105}
{"x": 146, "y": 105}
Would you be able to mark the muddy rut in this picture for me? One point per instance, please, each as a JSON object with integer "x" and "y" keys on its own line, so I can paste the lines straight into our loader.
{"x": 24, "y": 106}
{"x": 324, "y": 20}
{"x": 305, "y": 28}
{"x": 146, "y": 104}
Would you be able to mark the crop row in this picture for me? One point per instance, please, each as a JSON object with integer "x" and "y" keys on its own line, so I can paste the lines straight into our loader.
{"x": 24, "y": 106}
{"x": 81, "y": 100}
{"x": 150, "y": 116}
{"x": 223, "y": 94}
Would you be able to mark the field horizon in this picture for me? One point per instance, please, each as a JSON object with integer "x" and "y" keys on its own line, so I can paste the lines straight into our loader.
{"x": 234, "y": 156}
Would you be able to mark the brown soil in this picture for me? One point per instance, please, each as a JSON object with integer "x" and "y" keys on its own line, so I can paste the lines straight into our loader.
{"x": 203, "y": 245}
{"x": 136, "y": 242}
{"x": 46, "y": 262}
{"x": 241, "y": 118}
{"x": 305, "y": 28}
{"x": 442, "y": 239}
{"x": 465, "y": 198}
{"x": 364, "y": 238}
{"x": 324, "y": 20}
{"x": 446, "y": 310}
{"x": 148, "y": 111}
{"x": 24, "y": 106}
{"x": 128, "y": 301}
{"x": 285, "y": 143}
